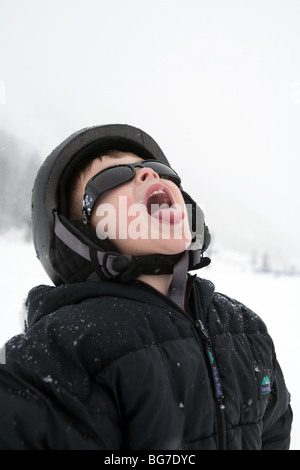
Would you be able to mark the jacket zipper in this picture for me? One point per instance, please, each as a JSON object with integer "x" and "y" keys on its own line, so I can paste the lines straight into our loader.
{"x": 219, "y": 397}
{"x": 215, "y": 376}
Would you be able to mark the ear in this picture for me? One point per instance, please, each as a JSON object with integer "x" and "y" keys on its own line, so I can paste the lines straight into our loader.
{"x": 207, "y": 238}
{"x": 200, "y": 231}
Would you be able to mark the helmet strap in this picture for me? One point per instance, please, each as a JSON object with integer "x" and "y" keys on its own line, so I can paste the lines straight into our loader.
{"x": 177, "y": 287}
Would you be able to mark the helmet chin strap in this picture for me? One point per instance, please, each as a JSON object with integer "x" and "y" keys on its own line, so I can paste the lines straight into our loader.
{"x": 177, "y": 288}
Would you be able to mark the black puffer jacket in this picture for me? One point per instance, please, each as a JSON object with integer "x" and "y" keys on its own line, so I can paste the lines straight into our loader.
{"x": 110, "y": 366}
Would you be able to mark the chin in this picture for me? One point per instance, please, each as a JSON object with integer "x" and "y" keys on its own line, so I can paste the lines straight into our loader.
{"x": 152, "y": 247}
{"x": 170, "y": 247}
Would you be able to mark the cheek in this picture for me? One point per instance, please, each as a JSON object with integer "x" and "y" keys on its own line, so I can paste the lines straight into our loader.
{"x": 110, "y": 217}
{"x": 103, "y": 218}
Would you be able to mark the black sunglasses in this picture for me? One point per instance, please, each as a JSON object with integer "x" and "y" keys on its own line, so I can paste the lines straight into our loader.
{"x": 117, "y": 175}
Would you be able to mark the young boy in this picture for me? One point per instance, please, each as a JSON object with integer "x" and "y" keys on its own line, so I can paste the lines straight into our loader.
{"x": 129, "y": 351}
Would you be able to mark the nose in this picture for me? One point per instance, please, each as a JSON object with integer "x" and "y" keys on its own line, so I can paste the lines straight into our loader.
{"x": 143, "y": 174}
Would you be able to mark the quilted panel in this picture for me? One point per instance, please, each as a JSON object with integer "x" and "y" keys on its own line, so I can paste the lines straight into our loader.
{"x": 71, "y": 266}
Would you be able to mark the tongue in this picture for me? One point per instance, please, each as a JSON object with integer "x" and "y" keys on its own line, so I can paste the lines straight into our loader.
{"x": 169, "y": 214}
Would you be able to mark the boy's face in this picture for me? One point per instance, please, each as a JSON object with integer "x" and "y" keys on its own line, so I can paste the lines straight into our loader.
{"x": 124, "y": 214}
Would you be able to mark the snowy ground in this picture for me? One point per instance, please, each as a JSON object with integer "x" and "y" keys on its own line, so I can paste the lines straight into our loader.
{"x": 275, "y": 298}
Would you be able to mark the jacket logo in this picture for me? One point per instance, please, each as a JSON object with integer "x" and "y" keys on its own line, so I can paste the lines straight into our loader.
{"x": 263, "y": 379}
{"x": 265, "y": 386}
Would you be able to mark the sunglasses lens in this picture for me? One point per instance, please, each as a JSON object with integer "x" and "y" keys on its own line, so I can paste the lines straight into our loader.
{"x": 164, "y": 171}
{"x": 112, "y": 177}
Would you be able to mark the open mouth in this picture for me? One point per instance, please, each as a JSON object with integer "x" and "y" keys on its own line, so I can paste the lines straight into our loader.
{"x": 158, "y": 199}
{"x": 160, "y": 205}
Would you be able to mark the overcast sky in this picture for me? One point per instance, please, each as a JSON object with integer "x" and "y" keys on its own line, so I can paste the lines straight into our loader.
{"x": 215, "y": 82}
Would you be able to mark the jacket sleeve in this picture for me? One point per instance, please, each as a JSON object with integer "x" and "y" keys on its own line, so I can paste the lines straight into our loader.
{"x": 36, "y": 414}
{"x": 47, "y": 403}
{"x": 278, "y": 417}
{"x": 29, "y": 419}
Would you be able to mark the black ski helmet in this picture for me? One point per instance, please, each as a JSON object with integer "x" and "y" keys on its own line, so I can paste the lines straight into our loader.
{"x": 69, "y": 250}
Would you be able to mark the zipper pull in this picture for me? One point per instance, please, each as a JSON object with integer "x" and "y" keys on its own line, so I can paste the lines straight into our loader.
{"x": 219, "y": 397}
{"x": 215, "y": 373}
{"x": 202, "y": 329}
